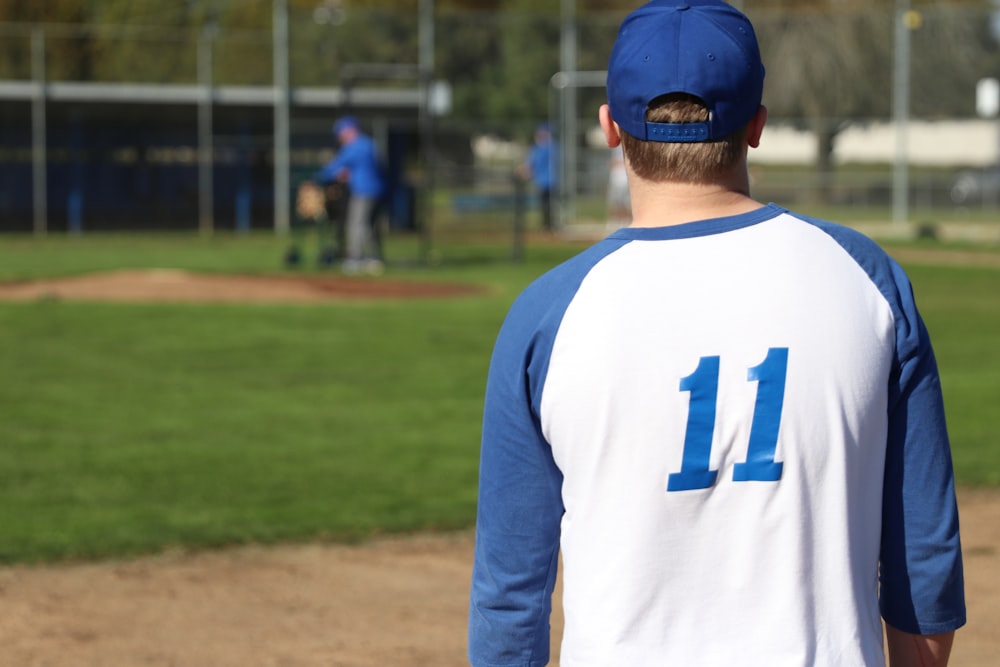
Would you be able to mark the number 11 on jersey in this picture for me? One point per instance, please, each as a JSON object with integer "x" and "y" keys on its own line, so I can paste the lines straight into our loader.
{"x": 703, "y": 386}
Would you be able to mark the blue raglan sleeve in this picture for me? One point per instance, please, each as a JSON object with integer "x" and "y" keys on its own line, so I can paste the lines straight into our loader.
{"x": 520, "y": 486}
{"x": 921, "y": 575}
{"x": 348, "y": 157}
{"x": 328, "y": 173}
{"x": 520, "y": 505}
{"x": 922, "y": 588}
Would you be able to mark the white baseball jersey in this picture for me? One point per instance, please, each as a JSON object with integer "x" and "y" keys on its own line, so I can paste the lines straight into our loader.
{"x": 733, "y": 430}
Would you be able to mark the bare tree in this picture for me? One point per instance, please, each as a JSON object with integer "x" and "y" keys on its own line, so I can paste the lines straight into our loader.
{"x": 827, "y": 70}
{"x": 831, "y": 68}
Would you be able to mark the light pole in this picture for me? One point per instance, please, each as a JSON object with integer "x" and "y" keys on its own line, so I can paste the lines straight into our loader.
{"x": 39, "y": 165}
{"x": 425, "y": 67}
{"x": 206, "y": 150}
{"x": 566, "y": 172}
{"x": 905, "y": 20}
{"x": 282, "y": 196}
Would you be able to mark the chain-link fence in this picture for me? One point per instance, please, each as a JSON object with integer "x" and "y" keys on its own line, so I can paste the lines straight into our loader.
{"x": 116, "y": 161}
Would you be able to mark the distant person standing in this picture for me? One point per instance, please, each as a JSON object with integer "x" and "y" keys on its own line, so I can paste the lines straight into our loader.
{"x": 540, "y": 167}
{"x": 357, "y": 164}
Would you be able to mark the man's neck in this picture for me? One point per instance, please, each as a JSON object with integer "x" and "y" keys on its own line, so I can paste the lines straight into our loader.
{"x": 665, "y": 204}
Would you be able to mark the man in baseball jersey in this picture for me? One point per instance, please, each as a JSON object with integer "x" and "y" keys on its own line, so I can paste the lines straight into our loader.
{"x": 726, "y": 416}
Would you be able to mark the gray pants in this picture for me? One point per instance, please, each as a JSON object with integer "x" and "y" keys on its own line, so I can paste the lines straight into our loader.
{"x": 360, "y": 243}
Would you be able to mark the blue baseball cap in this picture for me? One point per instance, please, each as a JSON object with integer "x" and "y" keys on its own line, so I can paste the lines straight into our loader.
{"x": 705, "y": 48}
{"x": 343, "y": 123}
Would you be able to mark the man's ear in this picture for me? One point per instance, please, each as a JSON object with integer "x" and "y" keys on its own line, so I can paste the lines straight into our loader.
{"x": 612, "y": 133}
{"x": 756, "y": 127}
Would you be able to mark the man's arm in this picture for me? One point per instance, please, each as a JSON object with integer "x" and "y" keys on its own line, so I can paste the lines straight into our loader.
{"x": 920, "y": 562}
{"x": 330, "y": 172}
{"x": 908, "y": 650}
{"x": 520, "y": 498}
{"x": 337, "y": 168}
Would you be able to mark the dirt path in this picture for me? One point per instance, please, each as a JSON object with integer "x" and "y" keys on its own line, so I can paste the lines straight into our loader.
{"x": 391, "y": 603}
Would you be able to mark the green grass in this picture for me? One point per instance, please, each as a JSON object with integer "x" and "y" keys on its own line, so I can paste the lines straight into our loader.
{"x": 129, "y": 428}
{"x": 25, "y": 257}
{"x": 134, "y": 425}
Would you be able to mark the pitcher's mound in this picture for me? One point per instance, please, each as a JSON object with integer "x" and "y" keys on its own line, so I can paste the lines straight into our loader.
{"x": 173, "y": 285}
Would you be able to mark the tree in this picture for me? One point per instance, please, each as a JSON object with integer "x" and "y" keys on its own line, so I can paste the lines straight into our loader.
{"x": 951, "y": 50}
{"x": 827, "y": 69}
{"x": 829, "y": 61}
{"x": 833, "y": 69}
{"x": 68, "y": 55}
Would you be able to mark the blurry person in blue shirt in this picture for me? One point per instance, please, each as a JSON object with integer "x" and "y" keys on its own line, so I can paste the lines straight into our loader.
{"x": 357, "y": 164}
{"x": 540, "y": 167}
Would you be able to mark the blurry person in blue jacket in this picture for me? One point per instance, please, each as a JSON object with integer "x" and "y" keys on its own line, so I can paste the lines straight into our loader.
{"x": 357, "y": 164}
{"x": 540, "y": 167}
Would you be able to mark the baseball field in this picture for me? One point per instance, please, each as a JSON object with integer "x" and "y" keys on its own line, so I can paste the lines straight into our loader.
{"x": 209, "y": 460}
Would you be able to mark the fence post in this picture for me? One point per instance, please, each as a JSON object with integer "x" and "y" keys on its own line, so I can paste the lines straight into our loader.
{"x": 39, "y": 157}
{"x": 282, "y": 121}
{"x": 206, "y": 146}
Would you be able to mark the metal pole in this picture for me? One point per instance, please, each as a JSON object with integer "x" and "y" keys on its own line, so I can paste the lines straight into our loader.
{"x": 206, "y": 186}
{"x": 282, "y": 186}
{"x": 38, "y": 123}
{"x": 426, "y": 77}
{"x": 566, "y": 174}
{"x": 901, "y": 113}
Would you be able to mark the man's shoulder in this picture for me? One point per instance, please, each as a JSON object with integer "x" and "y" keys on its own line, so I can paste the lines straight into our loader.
{"x": 859, "y": 245}
{"x": 881, "y": 268}
{"x": 552, "y": 291}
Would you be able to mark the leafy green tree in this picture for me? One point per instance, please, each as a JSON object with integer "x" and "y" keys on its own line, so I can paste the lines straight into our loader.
{"x": 68, "y": 54}
{"x": 829, "y": 62}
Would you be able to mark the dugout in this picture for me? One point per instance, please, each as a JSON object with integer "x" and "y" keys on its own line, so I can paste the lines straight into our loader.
{"x": 121, "y": 157}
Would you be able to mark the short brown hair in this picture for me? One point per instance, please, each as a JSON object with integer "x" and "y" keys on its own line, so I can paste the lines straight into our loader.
{"x": 687, "y": 162}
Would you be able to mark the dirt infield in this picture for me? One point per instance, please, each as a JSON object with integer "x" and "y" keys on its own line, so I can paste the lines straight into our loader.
{"x": 172, "y": 285}
{"x": 397, "y": 602}
{"x": 391, "y": 603}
